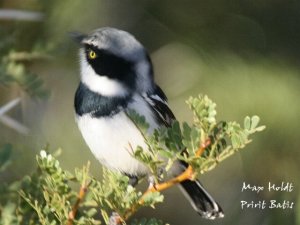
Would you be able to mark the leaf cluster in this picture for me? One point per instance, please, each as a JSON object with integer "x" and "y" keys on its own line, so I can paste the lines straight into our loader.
{"x": 182, "y": 141}
{"x": 49, "y": 195}
{"x": 19, "y": 49}
{"x": 14, "y": 70}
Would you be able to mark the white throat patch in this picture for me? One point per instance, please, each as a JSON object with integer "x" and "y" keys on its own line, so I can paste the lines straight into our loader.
{"x": 99, "y": 84}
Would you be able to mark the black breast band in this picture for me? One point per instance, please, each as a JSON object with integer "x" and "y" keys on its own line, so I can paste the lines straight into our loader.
{"x": 89, "y": 102}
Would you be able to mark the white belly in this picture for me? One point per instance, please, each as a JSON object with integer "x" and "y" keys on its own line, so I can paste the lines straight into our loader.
{"x": 112, "y": 140}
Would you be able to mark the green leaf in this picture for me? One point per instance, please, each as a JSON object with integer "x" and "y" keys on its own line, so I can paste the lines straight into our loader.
{"x": 191, "y": 138}
{"x": 104, "y": 215}
{"x": 260, "y": 128}
{"x": 8, "y": 216}
{"x": 139, "y": 120}
{"x": 247, "y": 123}
{"x": 235, "y": 141}
{"x": 204, "y": 111}
{"x": 254, "y": 121}
{"x": 186, "y": 131}
{"x": 152, "y": 198}
{"x": 91, "y": 212}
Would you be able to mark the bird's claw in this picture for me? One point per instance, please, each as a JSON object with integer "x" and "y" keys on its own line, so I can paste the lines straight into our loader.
{"x": 114, "y": 219}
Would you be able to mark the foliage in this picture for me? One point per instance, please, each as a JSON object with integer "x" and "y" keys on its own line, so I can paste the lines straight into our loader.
{"x": 22, "y": 45}
{"x": 50, "y": 194}
{"x": 14, "y": 70}
{"x": 47, "y": 196}
{"x": 182, "y": 142}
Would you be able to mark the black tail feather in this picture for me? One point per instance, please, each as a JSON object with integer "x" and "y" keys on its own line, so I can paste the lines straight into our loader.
{"x": 201, "y": 200}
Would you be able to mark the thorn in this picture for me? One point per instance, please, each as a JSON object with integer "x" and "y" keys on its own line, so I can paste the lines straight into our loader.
{"x": 9, "y": 122}
{"x": 12, "y": 123}
{"x": 8, "y": 106}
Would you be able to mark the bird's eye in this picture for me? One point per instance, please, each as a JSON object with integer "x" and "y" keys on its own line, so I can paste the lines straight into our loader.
{"x": 92, "y": 54}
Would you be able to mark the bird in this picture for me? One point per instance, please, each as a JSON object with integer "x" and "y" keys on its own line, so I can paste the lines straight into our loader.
{"x": 116, "y": 77}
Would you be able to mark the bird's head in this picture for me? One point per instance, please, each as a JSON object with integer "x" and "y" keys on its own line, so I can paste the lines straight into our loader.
{"x": 114, "y": 63}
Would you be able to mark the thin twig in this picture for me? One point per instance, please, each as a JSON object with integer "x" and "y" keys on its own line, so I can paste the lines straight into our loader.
{"x": 13, "y": 14}
{"x": 81, "y": 195}
{"x": 14, "y": 124}
{"x": 10, "y": 122}
{"x": 8, "y": 106}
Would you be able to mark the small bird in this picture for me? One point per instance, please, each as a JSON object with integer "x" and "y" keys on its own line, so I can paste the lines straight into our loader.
{"x": 117, "y": 77}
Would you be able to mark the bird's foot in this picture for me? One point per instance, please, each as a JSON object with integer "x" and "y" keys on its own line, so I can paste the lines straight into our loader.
{"x": 114, "y": 219}
{"x": 152, "y": 182}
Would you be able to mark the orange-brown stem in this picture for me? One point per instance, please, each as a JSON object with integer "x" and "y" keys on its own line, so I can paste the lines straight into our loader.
{"x": 81, "y": 194}
{"x": 188, "y": 174}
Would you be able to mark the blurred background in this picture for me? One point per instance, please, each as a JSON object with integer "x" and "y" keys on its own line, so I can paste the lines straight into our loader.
{"x": 242, "y": 54}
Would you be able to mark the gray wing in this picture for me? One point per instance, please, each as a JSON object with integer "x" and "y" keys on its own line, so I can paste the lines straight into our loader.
{"x": 158, "y": 104}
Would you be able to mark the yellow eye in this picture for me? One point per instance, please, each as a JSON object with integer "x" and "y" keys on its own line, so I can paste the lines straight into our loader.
{"x": 92, "y": 54}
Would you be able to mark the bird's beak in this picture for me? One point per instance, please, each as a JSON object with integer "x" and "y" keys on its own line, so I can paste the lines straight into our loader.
{"x": 77, "y": 36}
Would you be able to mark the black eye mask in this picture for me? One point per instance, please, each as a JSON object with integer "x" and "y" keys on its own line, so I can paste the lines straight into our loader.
{"x": 110, "y": 65}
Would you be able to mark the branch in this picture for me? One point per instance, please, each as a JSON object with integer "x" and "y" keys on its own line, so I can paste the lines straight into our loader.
{"x": 83, "y": 190}
{"x": 11, "y": 14}
{"x": 12, "y": 123}
{"x": 81, "y": 194}
{"x": 113, "y": 193}
{"x": 188, "y": 174}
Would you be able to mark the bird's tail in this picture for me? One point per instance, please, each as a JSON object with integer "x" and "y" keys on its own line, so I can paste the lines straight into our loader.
{"x": 201, "y": 200}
